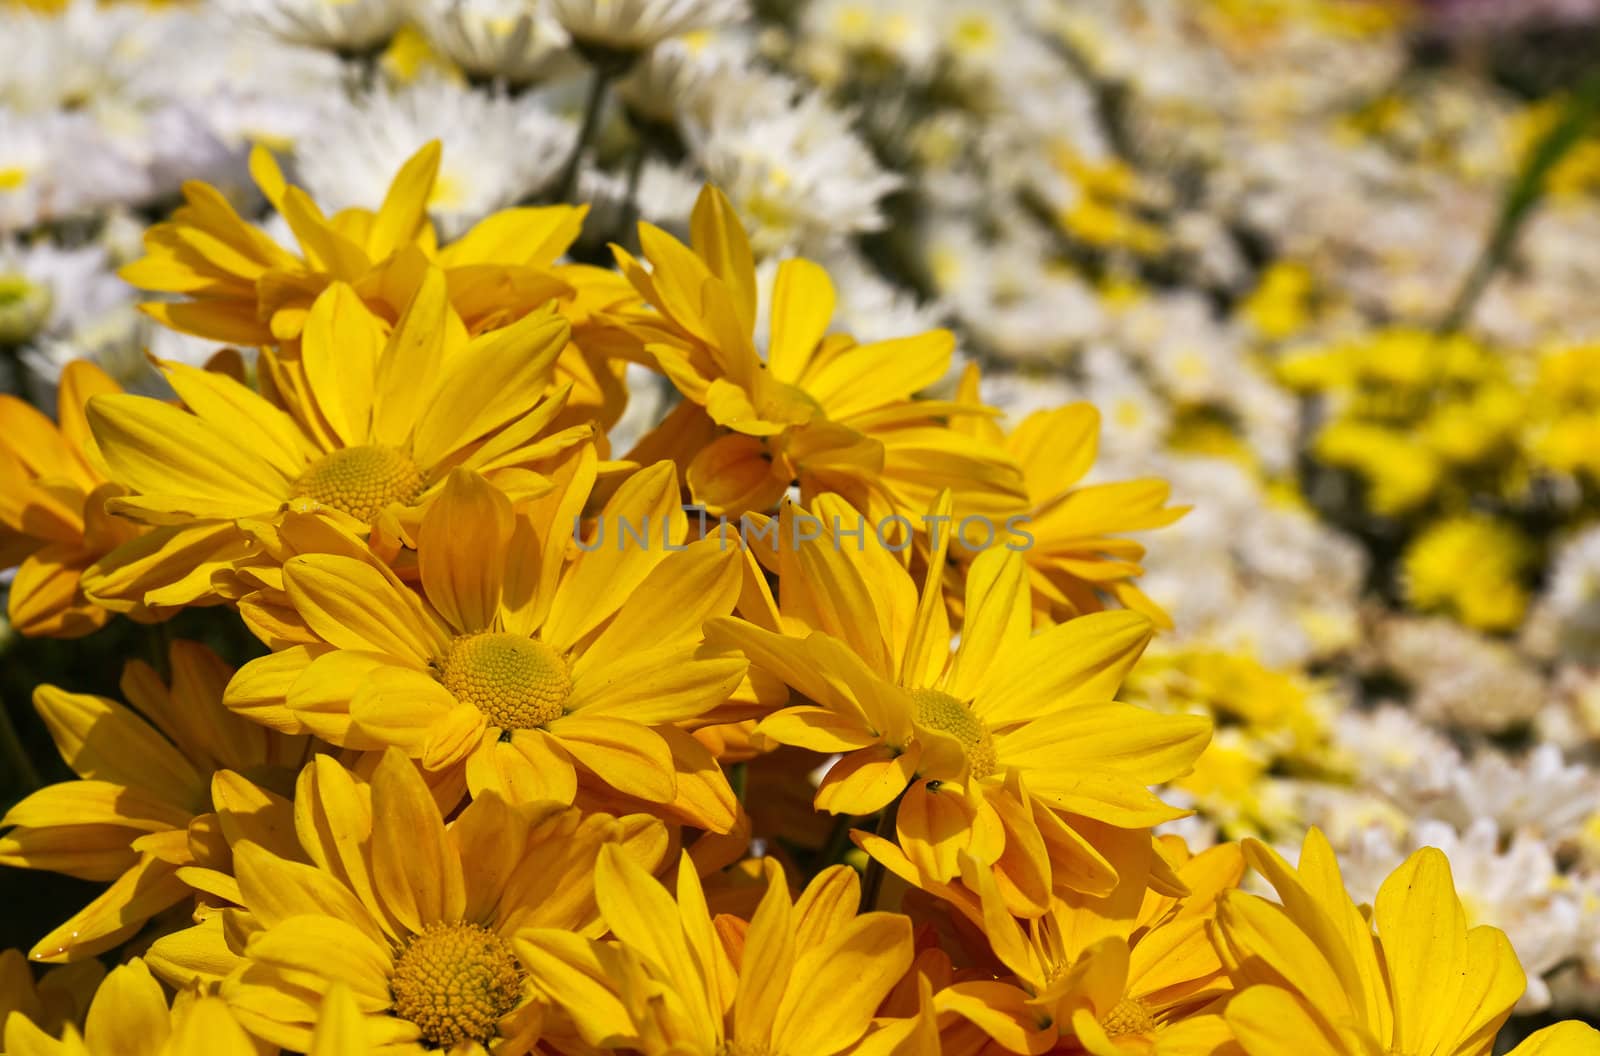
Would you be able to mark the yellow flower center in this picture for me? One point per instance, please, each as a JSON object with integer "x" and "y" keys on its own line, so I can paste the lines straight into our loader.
{"x": 744, "y": 1048}
{"x": 519, "y": 683}
{"x": 455, "y": 982}
{"x": 361, "y": 481}
{"x": 941, "y": 711}
{"x": 1129, "y": 1017}
{"x": 24, "y": 308}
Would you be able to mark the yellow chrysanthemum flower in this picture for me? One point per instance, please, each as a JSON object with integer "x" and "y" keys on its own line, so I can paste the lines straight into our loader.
{"x": 370, "y": 424}
{"x": 243, "y": 287}
{"x": 1130, "y": 974}
{"x": 1317, "y": 981}
{"x": 416, "y": 918}
{"x": 801, "y": 978}
{"x": 971, "y": 731}
{"x": 816, "y": 409}
{"x": 1471, "y": 567}
{"x": 53, "y": 523}
{"x": 1076, "y": 554}
{"x": 130, "y": 1014}
{"x": 145, "y": 780}
{"x": 529, "y": 668}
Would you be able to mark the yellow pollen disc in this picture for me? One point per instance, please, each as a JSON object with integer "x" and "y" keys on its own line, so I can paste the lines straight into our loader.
{"x": 455, "y": 982}
{"x": 519, "y": 683}
{"x": 1129, "y": 1017}
{"x": 943, "y": 712}
{"x": 361, "y": 481}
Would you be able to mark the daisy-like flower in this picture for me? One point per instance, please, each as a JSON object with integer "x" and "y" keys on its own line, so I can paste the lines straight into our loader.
{"x": 53, "y": 523}
{"x": 628, "y": 27}
{"x": 1003, "y": 741}
{"x": 495, "y": 149}
{"x": 143, "y": 781}
{"x": 1130, "y": 974}
{"x": 415, "y": 917}
{"x": 537, "y": 672}
{"x": 354, "y": 27}
{"x": 248, "y": 289}
{"x": 130, "y": 1010}
{"x": 802, "y": 977}
{"x": 1078, "y": 558}
{"x": 504, "y": 41}
{"x": 817, "y": 410}
{"x": 47, "y": 291}
{"x": 372, "y": 423}
{"x": 790, "y": 162}
{"x": 1315, "y": 979}
{"x": 258, "y": 293}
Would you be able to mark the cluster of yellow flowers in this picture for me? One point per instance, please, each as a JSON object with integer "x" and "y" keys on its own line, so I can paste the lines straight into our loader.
{"x": 1429, "y": 425}
{"x": 790, "y": 732}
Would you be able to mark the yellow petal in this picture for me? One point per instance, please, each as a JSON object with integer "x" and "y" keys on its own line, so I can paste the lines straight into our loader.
{"x": 532, "y": 767}
{"x": 411, "y": 362}
{"x": 102, "y": 740}
{"x": 404, "y": 211}
{"x": 129, "y": 1015}
{"x": 489, "y": 385}
{"x": 836, "y": 987}
{"x": 769, "y": 953}
{"x": 352, "y": 605}
{"x": 278, "y": 890}
{"x": 157, "y": 449}
{"x": 1424, "y": 933}
{"x": 802, "y": 307}
{"x": 1268, "y": 1021}
{"x": 340, "y": 349}
{"x": 415, "y": 867}
{"x": 635, "y": 526}
{"x": 1102, "y": 648}
{"x": 625, "y": 755}
{"x": 1570, "y": 1038}
{"x": 461, "y": 551}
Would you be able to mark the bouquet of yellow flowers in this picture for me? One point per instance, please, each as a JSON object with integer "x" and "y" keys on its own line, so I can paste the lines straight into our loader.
{"x": 791, "y": 730}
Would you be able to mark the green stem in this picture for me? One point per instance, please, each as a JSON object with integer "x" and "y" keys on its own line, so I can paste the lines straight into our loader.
{"x": 873, "y": 884}
{"x": 599, "y": 78}
{"x": 1521, "y": 198}
{"x": 738, "y": 779}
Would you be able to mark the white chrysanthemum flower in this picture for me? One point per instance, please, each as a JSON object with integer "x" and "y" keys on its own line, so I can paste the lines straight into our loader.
{"x": 798, "y": 175}
{"x": 840, "y": 35}
{"x": 246, "y": 85}
{"x": 675, "y": 77}
{"x": 69, "y": 59}
{"x": 513, "y": 42}
{"x": 351, "y": 26}
{"x": 1540, "y": 794}
{"x": 497, "y": 149}
{"x": 1573, "y": 597}
{"x": 121, "y": 343}
{"x": 50, "y": 292}
{"x": 60, "y": 165}
{"x": 1399, "y": 757}
{"x": 632, "y": 26}
{"x": 1461, "y": 678}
